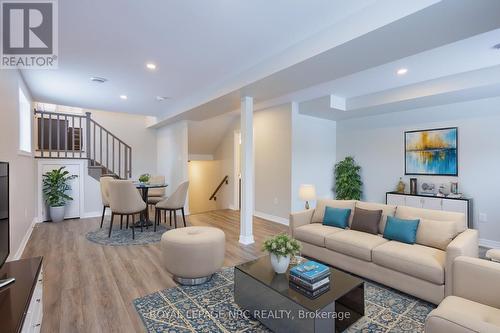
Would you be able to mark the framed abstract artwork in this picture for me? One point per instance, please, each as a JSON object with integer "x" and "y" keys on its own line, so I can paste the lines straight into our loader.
{"x": 432, "y": 152}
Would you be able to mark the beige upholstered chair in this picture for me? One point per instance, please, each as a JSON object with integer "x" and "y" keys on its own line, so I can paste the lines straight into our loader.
{"x": 156, "y": 195}
{"x": 104, "y": 183}
{"x": 172, "y": 204}
{"x": 124, "y": 201}
{"x": 474, "y": 305}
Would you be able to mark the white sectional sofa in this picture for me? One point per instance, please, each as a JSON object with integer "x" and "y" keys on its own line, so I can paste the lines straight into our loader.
{"x": 423, "y": 269}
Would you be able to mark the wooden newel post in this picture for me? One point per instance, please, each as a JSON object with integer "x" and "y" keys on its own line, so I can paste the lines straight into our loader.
{"x": 87, "y": 135}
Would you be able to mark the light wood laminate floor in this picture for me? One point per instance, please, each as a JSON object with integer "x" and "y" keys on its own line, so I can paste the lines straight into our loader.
{"x": 89, "y": 287}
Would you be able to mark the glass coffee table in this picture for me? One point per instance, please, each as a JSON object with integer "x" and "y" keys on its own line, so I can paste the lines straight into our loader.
{"x": 268, "y": 298}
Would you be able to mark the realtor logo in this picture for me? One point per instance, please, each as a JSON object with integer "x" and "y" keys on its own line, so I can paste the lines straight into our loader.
{"x": 29, "y": 34}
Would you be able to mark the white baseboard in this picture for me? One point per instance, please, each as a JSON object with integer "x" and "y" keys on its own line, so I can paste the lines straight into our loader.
{"x": 25, "y": 240}
{"x": 96, "y": 214}
{"x": 489, "y": 243}
{"x": 271, "y": 218}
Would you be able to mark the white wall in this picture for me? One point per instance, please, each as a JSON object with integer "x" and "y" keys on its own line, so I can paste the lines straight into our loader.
{"x": 225, "y": 155}
{"x": 203, "y": 180}
{"x": 377, "y": 143}
{"x": 272, "y": 146}
{"x": 172, "y": 154}
{"x": 22, "y": 168}
{"x": 131, "y": 129}
{"x": 313, "y": 155}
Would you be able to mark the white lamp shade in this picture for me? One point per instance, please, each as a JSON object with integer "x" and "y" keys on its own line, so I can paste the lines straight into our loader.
{"x": 307, "y": 192}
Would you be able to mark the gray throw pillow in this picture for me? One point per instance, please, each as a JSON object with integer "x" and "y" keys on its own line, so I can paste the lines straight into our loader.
{"x": 366, "y": 220}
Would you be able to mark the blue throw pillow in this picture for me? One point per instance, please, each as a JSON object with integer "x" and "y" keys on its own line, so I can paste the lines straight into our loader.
{"x": 401, "y": 230}
{"x": 337, "y": 217}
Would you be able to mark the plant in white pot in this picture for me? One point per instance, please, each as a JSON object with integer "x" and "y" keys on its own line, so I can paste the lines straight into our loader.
{"x": 281, "y": 248}
{"x": 55, "y": 185}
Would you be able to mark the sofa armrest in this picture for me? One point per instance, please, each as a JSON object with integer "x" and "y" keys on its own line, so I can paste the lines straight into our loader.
{"x": 477, "y": 280}
{"x": 465, "y": 244}
{"x": 299, "y": 219}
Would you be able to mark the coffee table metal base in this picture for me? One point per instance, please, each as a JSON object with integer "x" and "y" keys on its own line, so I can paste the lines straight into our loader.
{"x": 281, "y": 314}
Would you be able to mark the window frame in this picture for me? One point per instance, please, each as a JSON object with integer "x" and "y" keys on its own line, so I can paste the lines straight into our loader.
{"x": 25, "y": 124}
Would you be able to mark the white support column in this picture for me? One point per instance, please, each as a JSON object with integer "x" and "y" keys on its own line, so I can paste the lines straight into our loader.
{"x": 247, "y": 172}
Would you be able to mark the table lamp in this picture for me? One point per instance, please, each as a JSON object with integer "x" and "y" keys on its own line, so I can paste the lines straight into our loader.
{"x": 306, "y": 193}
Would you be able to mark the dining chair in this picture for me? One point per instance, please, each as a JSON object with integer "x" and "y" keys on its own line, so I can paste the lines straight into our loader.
{"x": 125, "y": 201}
{"x": 156, "y": 195}
{"x": 172, "y": 204}
{"x": 104, "y": 183}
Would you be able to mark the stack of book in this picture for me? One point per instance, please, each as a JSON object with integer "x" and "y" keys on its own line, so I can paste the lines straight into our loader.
{"x": 310, "y": 278}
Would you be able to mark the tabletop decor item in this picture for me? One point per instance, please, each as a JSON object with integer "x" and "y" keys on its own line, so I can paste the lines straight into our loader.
{"x": 348, "y": 180}
{"x": 55, "y": 185}
{"x": 432, "y": 152}
{"x": 400, "y": 188}
{"x": 281, "y": 248}
{"x": 413, "y": 185}
{"x": 310, "y": 278}
{"x": 144, "y": 178}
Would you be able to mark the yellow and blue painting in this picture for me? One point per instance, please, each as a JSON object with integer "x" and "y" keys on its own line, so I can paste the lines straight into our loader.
{"x": 431, "y": 152}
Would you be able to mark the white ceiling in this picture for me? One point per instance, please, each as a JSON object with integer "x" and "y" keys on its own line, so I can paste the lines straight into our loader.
{"x": 193, "y": 43}
{"x": 209, "y": 54}
{"x": 205, "y": 136}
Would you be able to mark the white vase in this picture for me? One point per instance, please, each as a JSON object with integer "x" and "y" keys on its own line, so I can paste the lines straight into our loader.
{"x": 280, "y": 263}
{"x": 57, "y": 213}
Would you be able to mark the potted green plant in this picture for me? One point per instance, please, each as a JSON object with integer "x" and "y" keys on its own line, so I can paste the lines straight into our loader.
{"x": 348, "y": 184}
{"x": 55, "y": 185}
{"x": 144, "y": 178}
{"x": 281, "y": 248}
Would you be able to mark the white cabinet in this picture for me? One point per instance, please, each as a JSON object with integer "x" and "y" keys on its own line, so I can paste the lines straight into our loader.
{"x": 34, "y": 315}
{"x": 413, "y": 202}
{"x": 434, "y": 203}
{"x": 455, "y": 205}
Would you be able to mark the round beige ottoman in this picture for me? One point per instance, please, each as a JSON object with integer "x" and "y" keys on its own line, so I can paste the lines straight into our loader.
{"x": 493, "y": 255}
{"x": 193, "y": 254}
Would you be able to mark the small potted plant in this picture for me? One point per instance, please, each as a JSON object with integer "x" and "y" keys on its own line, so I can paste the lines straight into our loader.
{"x": 281, "y": 248}
{"x": 144, "y": 179}
{"x": 55, "y": 185}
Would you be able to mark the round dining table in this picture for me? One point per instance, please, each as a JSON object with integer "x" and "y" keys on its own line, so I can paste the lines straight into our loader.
{"x": 144, "y": 220}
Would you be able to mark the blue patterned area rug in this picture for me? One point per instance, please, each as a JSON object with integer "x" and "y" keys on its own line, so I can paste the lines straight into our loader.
{"x": 124, "y": 236}
{"x": 210, "y": 307}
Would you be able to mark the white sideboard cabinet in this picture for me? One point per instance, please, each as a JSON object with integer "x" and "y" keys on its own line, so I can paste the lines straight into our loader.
{"x": 461, "y": 205}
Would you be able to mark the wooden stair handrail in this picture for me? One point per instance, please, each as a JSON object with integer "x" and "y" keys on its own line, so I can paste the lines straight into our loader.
{"x": 224, "y": 180}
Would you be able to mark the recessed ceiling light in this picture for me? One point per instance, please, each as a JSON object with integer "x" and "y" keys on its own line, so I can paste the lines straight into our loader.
{"x": 98, "y": 79}
{"x": 151, "y": 66}
{"x": 402, "y": 71}
{"x": 123, "y": 97}
{"x": 162, "y": 98}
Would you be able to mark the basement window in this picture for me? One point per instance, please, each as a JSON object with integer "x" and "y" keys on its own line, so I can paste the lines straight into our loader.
{"x": 24, "y": 124}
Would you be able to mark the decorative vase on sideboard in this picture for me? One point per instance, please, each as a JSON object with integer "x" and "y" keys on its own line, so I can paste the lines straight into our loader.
{"x": 280, "y": 263}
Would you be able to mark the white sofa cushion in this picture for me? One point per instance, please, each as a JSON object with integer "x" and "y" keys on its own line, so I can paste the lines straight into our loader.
{"x": 456, "y": 314}
{"x": 406, "y": 212}
{"x": 315, "y": 233}
{"x": 319, "y": 212}
{"x": 387, "y": 210}
{"x": 420, "y": 261}
{"x": 354, "y": 243}
{"x": 437, "y": 234}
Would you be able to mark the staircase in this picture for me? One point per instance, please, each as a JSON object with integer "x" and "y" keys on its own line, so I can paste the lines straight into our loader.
{"x": 77, "y": 136}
